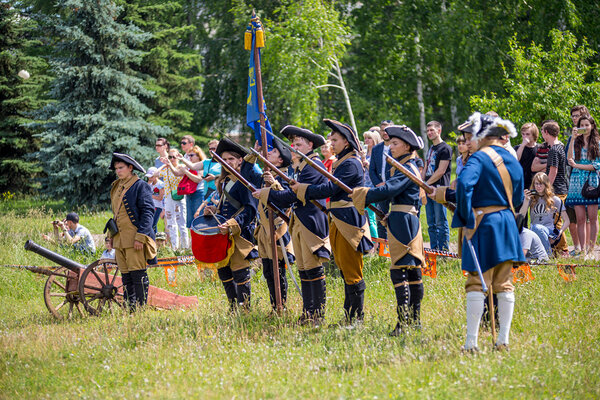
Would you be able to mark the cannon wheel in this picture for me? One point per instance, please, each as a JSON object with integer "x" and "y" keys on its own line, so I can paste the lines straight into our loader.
{"x": 100, "y": 287}
{"x": 61, "y": 294}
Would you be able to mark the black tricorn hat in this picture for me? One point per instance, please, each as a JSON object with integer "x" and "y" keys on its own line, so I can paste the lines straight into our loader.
{"x": 345, "y": 130}
{"x": 406, "y": 134}
{"x": 127, "y": 159}
{"x": 228, "y": 145}
{"x": 290, "y": 130}
{"x": 476, "y": 123}
{"x": 284, "y": 153}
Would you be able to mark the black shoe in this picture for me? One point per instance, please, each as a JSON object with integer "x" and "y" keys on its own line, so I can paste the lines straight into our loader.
{"x": 398, "y": 331}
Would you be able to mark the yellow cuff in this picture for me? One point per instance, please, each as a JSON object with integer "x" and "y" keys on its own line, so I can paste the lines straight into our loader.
{"x": 264, "y": 196}
{"x": 250, "y": 158}
{"x": 440, "y": 194}
{"x": 301, "y": 193}
{"x": 359, "y": 196}
{"x": 233, "y": 226}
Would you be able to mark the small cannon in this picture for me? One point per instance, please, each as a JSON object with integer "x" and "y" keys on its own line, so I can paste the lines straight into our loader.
{"x": 97, "y": 286}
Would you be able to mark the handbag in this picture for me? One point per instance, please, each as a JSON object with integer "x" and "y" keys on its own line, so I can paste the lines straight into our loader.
{"x": 588, "y": 191}
{"x": 175, "y": 196}
{"x": 111, "y": 227}
{"x": 186, "y": 185}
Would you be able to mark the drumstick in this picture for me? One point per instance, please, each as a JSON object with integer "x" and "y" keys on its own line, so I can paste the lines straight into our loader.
{"x": 206, "y": 229}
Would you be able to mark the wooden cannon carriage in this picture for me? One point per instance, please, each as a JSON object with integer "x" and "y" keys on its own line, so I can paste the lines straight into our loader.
{"x": 96, "y": 287}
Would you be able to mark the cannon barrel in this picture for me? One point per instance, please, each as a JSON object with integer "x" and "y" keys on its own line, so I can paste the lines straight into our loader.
{"x": 52, "y": 256}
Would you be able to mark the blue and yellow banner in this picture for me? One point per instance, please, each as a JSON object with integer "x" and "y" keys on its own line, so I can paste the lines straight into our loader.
{"x": 254, "y": 40}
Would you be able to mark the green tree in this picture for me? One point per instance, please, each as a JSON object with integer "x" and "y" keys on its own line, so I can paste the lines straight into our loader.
{"x": 18, "y": 97}
{"x": 98, "y": 108}
{"x": 304, "y": 40}
{"x": 174, "y": 67}
{"x": 544, "y": 84}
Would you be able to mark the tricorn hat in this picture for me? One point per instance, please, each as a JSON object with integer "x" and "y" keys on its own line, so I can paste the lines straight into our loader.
{"x": 482, "y": 125}
{"x": 346, "y": 131}
{"x": 228, "y": 145}
{"x": 284, "y": 153}
{"x": 290, "y": 130}
{"x": 406, "y": 134}
{"x": 127, "y": 159}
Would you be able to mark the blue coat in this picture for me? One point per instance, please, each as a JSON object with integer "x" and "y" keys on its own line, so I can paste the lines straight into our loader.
{"x": 245, "y": 219}
{"x": 254, "y": 176}
{"x": 140, "y": 207}
{"x": 376, "y": 164}
{"x": 479, "y": 185}
{"x": 398, "y": 189}
{"x": 351, "y": 173}
{"x": 309, "y": 215}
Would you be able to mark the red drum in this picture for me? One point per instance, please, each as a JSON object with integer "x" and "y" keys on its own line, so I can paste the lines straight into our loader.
{"x": 208, "y": 244}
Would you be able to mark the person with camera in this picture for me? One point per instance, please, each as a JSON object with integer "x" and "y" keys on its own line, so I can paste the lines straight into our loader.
{"x": 546, "y": 209}
{"x": 583, "y": 156}
{"x": 70, "y": 231}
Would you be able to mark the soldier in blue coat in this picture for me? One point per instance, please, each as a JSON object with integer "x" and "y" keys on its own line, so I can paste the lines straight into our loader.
{"x": 280, "y": 157}
{"x": 133, "y": 213}
{"x": 238, "y": 207}
{"x": 487, "y": 190}
{"x": 348, "y": 230}
{"x": 404, "y": 228}
{"x": 308, "y": 225}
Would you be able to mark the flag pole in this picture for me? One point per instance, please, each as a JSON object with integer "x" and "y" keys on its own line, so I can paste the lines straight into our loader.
{"x": 265, "y": 150}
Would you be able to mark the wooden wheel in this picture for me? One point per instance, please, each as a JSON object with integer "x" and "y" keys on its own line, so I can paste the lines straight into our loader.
{"x": 61, "y": 294}
{"x": 100, "y": 287}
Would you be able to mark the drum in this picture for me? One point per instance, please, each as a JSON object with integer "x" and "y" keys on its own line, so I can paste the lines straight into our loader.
{"x": 208, "y": 244}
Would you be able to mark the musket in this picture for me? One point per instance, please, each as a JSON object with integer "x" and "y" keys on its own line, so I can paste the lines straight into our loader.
{"x": 284, "y": 176}
{"x": 287, "y": 266}
{"x": 248, "y": 185}
{"x": 324, "y": 172}
{"x": 418, "y": 181}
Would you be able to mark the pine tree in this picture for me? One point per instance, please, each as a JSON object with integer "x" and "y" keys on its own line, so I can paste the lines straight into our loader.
{"x": 169, "y": 59}
{"x": 18, "y": 97}
{"x": 98, "y": 109}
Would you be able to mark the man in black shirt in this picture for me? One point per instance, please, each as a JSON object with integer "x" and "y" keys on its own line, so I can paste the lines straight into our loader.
{"x": 437, "y": 173}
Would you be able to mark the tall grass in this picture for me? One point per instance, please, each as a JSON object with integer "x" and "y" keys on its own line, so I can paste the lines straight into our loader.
{"x": 209, "y": 353}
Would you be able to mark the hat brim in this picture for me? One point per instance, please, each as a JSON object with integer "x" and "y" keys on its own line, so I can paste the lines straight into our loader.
{"x": 127, "y": 159}
{"x": 405, "y": 134}
{"x": 345, "y": 130}
{"x": 229, "y": 146}
{"x": 290, "y": 131}
{"x": 284, "y": 153}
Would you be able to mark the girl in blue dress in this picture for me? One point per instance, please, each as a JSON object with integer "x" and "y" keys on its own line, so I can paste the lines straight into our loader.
{"x": 583, "y": 155}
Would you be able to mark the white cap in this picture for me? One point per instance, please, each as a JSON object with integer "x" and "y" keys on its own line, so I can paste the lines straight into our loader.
{"x": 151, "y": 171}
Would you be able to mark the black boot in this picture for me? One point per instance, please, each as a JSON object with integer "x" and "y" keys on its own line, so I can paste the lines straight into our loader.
{"x": 268, "y": 274}
{"x": 357, "y": 292}
{"x": 307, "y": 297}
{"x": 241, "y": 278}
{"x": 316, "y": 278}
{"x": 400, "y": 281}
{"x": 128, "y": 290}
{"x": 416, "y": 295}
{"x": 140, "y": 281}
{"x": 283, "y": 283}
{"x": 226, "y": 277}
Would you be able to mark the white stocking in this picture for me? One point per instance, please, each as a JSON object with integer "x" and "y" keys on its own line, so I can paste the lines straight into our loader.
{"x": 474, "y": 311}
{"x": 506, "y": 307}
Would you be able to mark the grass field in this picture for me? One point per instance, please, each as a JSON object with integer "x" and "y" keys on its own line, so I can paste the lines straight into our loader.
{"x": 208, "y": 353}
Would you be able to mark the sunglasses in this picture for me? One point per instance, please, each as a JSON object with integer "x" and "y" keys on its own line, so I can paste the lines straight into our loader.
{"x": 158, "y": 145}
{"x": 172, "y": 157}
{"x": 183, "y": 143}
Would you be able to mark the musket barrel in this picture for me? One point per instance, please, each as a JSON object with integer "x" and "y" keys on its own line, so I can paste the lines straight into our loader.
{"x": 63, "y": 261}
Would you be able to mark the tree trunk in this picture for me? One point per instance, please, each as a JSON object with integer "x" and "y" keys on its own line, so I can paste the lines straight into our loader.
{"x": 420, "y": 100}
